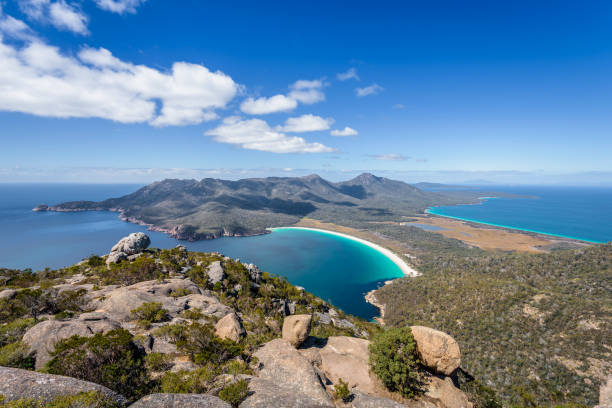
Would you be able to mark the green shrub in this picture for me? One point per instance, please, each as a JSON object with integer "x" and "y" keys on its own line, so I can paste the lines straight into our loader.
{"x": 394, "y": 360}
{"x": 14, "y": 331}
{"x": 148, "y": 313}
{"x": 341, "y": 391}
{"x": 180, "y": 292}
{"x": 90, "y": 399}
{"x": 110, "y": 359}
{"x": 95, "y": 261}
{"x": 158, "y": 361}
{"x": 192, "y": 314}
{"x": 234, "y": 393}
{"x": 16, "y": 355}
{"x": 188, "y": 382}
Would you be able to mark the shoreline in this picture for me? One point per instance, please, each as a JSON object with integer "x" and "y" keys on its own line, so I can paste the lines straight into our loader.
{"x": 547, "y": 234}
{"x": 396, "y": 259}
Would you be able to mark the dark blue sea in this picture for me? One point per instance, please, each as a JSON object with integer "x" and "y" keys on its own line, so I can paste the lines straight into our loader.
{"x": 334, "y": 268}
{"x": 583, "y": 213}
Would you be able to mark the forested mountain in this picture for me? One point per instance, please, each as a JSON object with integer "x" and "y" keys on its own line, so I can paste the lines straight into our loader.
{"x": 191, "y": 209}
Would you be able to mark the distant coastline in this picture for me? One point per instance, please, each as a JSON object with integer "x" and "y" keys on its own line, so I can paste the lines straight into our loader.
{"x": 431, "y": 211}
{"x": 397, "y": 260}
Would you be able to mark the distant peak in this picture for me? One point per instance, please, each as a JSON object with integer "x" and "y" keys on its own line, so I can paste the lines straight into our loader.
{"x": 312, "y": 177}
{"x": 367, "y": 178}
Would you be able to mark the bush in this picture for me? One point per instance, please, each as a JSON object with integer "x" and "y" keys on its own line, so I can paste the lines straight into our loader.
{"x": 188, "y": 382}
{"x": 148, "y": 313}
{"x": 14, "y": 331}
{"x": 16, "y": 355}
{"x": 158, "y": 361}
{"x": 394, "y": 360}
{"x": 180, "y": 292}
{"x": 90, "y": 399}
{"x": 95, "y": 261}
{"x": 110, "y": 359}
{"x": 341, "y": 391}
{"x": 234, "y": 393}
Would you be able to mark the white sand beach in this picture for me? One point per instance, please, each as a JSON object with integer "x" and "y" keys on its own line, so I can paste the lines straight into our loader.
{"x": 406, "y": 269}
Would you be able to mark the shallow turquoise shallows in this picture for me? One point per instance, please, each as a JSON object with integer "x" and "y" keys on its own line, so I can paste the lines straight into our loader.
{"x": 583, "y": 213}
{"x": 334, "y": 268}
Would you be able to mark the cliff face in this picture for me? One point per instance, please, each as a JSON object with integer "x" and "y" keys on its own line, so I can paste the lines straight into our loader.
{"x": 173, "y": 321}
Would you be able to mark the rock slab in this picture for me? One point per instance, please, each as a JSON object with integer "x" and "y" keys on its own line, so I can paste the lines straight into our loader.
{"x": 437, "y": 350}
{"x": 16, "y": 383}
{"x": 296, "y": 329}
{"x": 180, "y": 401}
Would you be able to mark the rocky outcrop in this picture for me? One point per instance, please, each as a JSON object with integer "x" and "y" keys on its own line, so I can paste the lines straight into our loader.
{"x": 446, "y": 395}
{"x": 41, "y": 207}
{"x": 361, "y": 400}
{"x": 42, "y": 338}
{"x": 285, "y": 372}
{"x": 215, "y": 272}
{"x": 267, "y": 394}
{"x": 180, "y": 401}
{"x": 254, "y": 272}
{"x": 131, "y": 245}
{"x": 438, "y": 351}
{"x": 119, "y": 302}
{"x": 8, "y": 294}
{"x": 17, "y": 384}
{"x": 347, "y": 358}
{"x": 296, "y": 329}
{"x": 230, "y": 328}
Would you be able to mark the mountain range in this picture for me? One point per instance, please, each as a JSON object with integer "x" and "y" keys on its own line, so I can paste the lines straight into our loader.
{"x": 210, "y": 208}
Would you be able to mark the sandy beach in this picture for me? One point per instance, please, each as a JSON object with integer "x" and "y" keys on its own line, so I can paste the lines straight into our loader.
{"x": 405, "y": 268}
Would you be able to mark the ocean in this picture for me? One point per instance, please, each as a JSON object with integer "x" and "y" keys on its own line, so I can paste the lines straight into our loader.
{"x": 583, "y": 213}
{"x": 337, "y": 269}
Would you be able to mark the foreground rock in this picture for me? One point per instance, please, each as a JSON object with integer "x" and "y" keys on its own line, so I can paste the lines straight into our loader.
{"x": 180, "y": 401}
{"x": 133, "y": 244}
{"x": 361, "y": 400}
{"x": 285, "y": 372}
{"x": 296, "y": 329}
{"x": 347, "y": 358}
{"x": 42, "y": 338}
{"x": 17, "y": 384}
{"x": 437, "y": 350}
{"x": 230, "y": 328}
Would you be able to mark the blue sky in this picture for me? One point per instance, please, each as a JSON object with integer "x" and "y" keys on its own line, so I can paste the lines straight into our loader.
{"x": 133, "y": 90}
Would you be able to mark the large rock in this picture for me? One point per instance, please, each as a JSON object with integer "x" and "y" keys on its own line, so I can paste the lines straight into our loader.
{"x": 286, "y": 373}
{"x": 437, "y": 350}
{"x": 296, "y": 329}
{"x": 230, "y": 328}
{"x": 215, "y": 272}
{"x": 128, "y": 246}
{"x": 17, "y": 384}
{"x": 118, "y": 302}
{"x": 361, "y": 400}
{"x": 267, "y": 394}
{"x": 180, "y": 401}
{"x": 7, "y": 294}
{"x": 132, "y": 244}
{"x": 254, "y": 272}
{"x": 446, "y": 395}
{"x": 43, "y": 337}
{"x": 347, "y": 358}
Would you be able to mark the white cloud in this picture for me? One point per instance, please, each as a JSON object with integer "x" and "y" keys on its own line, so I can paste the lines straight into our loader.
{"x": 256, "y": 134}
{"x": 307, "y": 92}
{"x": 306, "y": 123}
{"x": 389, "y": 157}
{"x": 347, "y": 131}
{"x": 350, "y": 74}
{"x": 399, "y": 106}
{"x": 67, "y": 17}
{"x": 60, "y": 14}
{"x": 119, "y": 6}
{"x": 369, "y": 90}
{"x": 12, "y": 27}
{"x": 263, "y": 106}
{"x": 38, "y": 79}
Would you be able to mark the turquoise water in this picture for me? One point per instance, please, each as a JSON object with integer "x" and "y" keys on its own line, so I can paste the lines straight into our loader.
{"x": 334, "y": 268}
{"x": 583, "y": 213}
